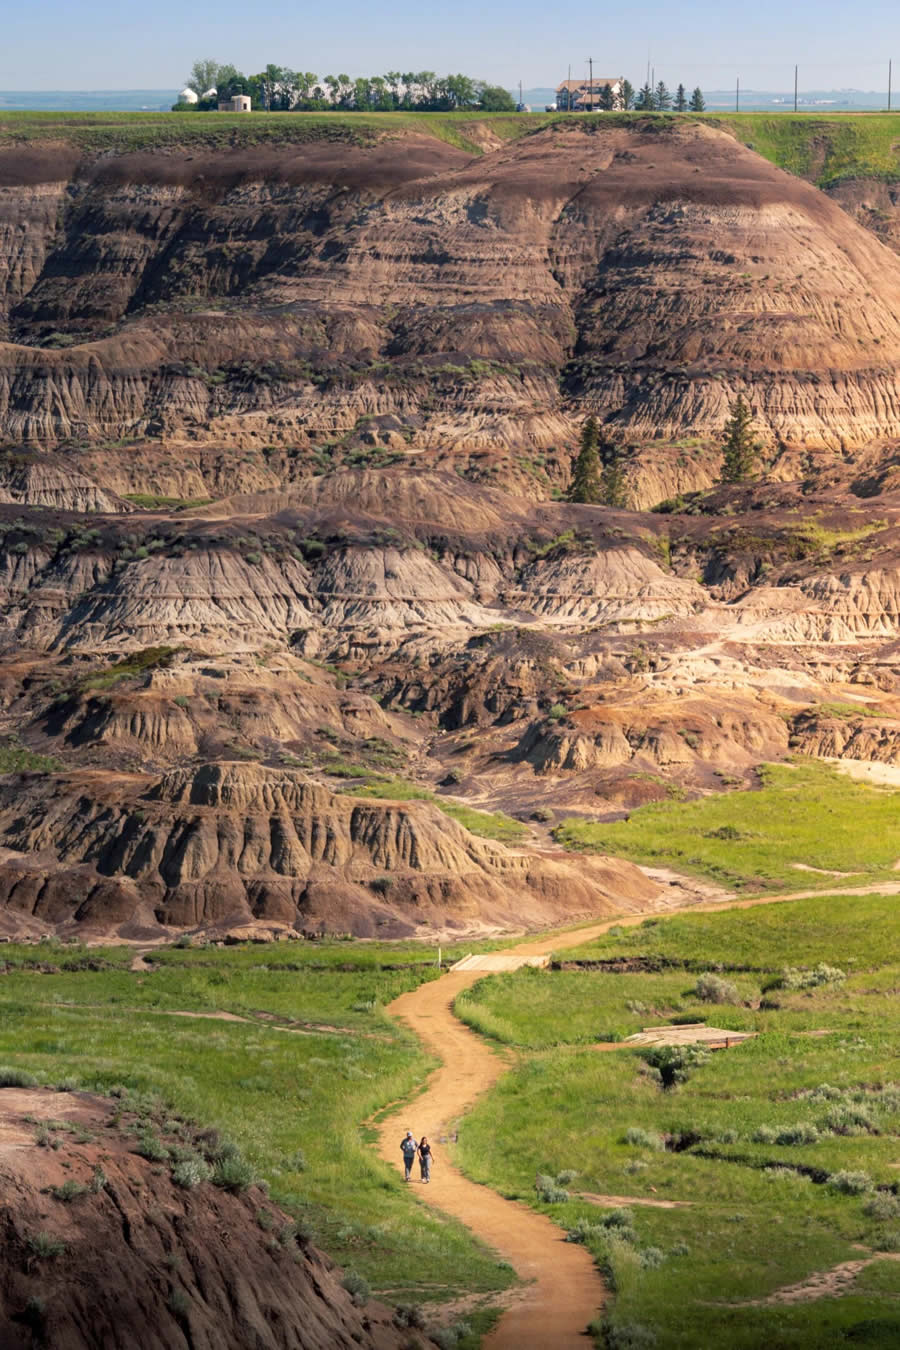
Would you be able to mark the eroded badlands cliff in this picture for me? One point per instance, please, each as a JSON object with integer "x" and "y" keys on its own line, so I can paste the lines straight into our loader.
{"x": 281, "y": 296}
{"x": 297, "y": 627}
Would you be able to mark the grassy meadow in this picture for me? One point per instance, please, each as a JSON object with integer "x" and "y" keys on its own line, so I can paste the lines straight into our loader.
{"x": 781, "y": 1153}
{"x": 806, "y": 813}
{"x": 291, "y": 1100}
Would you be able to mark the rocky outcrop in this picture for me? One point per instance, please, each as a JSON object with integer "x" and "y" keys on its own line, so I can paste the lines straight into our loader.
{"x": 233, "y": 841}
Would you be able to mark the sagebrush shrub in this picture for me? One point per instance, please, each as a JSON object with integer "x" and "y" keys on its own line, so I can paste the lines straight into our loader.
{"x": 850, "y": 1183}
{"x": 233, "y": 1174}
{"x": 409, "y": 1315}
{"x": 846, "y": 1118}
{"x": 652, "y": 1257}
{"x": 884, "y": 1206}
{"x": 792, "y": 978}
{"x": 190, "y": 1172}
{"x": 151, "y": 1147}
{"x": 357, "y": 1287}
{"x": 639, "y": 1138}
{"x": 801, "y": 1133}
{"x": 10, "y": 1076}
{"x": 712, "y": 988}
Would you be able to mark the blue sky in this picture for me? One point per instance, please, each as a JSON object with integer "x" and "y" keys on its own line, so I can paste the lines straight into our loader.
{"x": 102, "y": 44}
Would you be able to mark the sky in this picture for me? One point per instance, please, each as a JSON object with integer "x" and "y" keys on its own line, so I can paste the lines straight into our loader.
{"x": 103, "y": 44}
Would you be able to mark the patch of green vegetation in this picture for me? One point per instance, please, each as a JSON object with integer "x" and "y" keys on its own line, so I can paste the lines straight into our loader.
{"x": 123, "y": 131}
{"x": 16, "y": 758}
{"x": 823, "y": 149}
{"x": 845, "y": 710}
{"x": 778, "y": 1153}
{"x": 150, "y": 658}
{"x": 291, "y": 1103}
{"x": 486, "y": 824}
{"x": 806, "y": 812}
{"x": 151, "y": 501}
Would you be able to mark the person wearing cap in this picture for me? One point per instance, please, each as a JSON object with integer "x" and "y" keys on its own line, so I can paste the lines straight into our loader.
{"x": 408, "y": 1148}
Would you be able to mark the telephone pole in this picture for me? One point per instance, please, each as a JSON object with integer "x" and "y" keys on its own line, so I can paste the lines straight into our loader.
{"x": 890, "y": 72}
{"x": 795, "y": 88}
{"x": 591, "y": 81}
{"x": 737, "y": 95}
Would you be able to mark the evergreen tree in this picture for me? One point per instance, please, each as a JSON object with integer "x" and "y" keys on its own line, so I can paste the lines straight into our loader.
{"x": 680, "y": 99}
{"x": 615, "y": 491}
{"x": 607, "y": 102}
{"x": 627, "y": 95}
{"x": 739, "y": 448}
{"x": 586, "y": 479}
{"x": 644, "y": 100}
{"x": 698, "y": 102}
{"x": 662, "y": 99}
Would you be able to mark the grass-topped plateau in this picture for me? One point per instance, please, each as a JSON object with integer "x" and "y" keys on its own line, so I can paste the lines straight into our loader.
{"x": 823, "y": 148}
{"x": 777, "y": 1158}
{"x": 806, "y": 815}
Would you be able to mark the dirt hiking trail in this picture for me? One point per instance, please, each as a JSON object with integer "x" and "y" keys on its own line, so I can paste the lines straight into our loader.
{"x": 563, "y": 1290}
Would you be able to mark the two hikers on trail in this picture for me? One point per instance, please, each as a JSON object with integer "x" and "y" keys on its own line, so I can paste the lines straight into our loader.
{"x": 409, "y": 1148}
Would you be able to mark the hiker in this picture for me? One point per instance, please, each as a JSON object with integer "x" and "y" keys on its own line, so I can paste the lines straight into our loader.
{"x": 408, "y": 1148}
{"x": 425, "y": 1157}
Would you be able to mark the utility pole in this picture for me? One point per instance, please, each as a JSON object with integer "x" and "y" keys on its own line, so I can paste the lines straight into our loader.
{"x": 795, "y": 88}
{"x": 521, "y": 100}
{"x": 890, "y": 72}
{"x": 737, "y": 95}
{"x": 569, "y": 90}
{"x": 591, "y": 81}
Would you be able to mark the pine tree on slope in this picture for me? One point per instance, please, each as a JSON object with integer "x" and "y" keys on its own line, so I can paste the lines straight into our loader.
{"x": 586, "y": 482}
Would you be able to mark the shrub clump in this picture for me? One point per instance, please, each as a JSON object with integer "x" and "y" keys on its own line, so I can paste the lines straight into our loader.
{"x": 549, "y": 1191}
{"x": 847, "y": 1118}
{"x": 673, "y": 1064}
{"x": 190, "y": 1172}
{"x": 447, "y": 1338}
{"x": 850, "y": 1183}
{"x": 617, "y": 1222}
{"x": 801, "y": 1133}
{"x": 10, "y": 1076}
{"x": 233, "y": 1174}
{"x": 151, "y": 1147}
{"x": 357, "y": 1288}
{"x": 409, "y": 1315}
{"x": 639, "y": 1138}
{"x": 884, "y": 1207}
{"x": 711, "y": 988}
{"x": 791, "y": 978}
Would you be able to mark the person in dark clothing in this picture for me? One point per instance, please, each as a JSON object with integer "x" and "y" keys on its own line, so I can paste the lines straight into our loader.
{"x": 425, "y": 1159}
{"x": 408, "y": 1147}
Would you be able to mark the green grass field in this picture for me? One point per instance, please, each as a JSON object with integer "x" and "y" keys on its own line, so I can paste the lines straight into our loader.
{"x": 750, "y": 1140}
{"x": 822, "y": 148}
{"x": 806, "y": 813}
{"x": 486, "y": 824}
{"x": 275, "y": 1094}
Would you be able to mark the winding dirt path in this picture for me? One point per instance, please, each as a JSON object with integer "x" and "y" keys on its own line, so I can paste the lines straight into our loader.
{"x": 564, "y": 1290}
